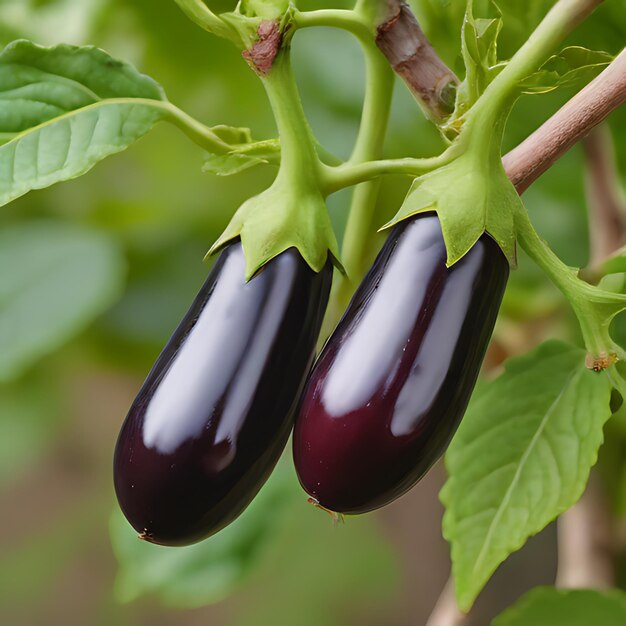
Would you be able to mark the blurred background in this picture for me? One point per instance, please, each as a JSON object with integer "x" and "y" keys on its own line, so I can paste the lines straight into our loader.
{"x": 105, "y": 266}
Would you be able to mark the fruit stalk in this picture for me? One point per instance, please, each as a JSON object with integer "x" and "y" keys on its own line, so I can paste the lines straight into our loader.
{"x": 357, "y": 240}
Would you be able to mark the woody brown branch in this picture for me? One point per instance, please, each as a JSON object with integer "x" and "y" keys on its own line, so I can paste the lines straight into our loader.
{"x": 413, "y": 58}
{"x": 401, "y": 39}
{"x": 528, "y": 161}
{"x": 446, "y": 612}
{"x": 585, "y": 542}
{"x": 605, "y": 198}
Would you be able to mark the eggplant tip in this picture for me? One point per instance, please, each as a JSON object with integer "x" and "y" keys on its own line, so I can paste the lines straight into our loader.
{"x": 146, "y": 536}
{"x": 338, "y": 518}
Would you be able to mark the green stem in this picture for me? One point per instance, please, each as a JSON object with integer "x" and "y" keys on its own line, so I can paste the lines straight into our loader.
{"x": 200, "y": 134}
{"x": 199, "y": 13}
{"x": 369, "y": 145}
{"x": 350, "y": 174}
{"x": 344, "y": 19}
{"x": 300, "y": 165}
{"x": 594, "y": 307}
{"x": 562, "y": 18}
{"x": 195, "y": 130}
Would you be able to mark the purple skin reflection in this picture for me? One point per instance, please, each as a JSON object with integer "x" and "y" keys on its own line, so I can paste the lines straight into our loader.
{"x": 392, "y": 383}
{"x": 215, "y": 412}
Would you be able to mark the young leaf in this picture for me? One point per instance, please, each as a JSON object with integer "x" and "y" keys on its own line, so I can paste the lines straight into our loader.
{"x": 521, "y": 456}
{"x": 573, "y": 66}
{"x": 205, "y": 572}
{"x": 63, "y": 109}
{"x": 547, "y": 606}
{"x": 244, "y": 152}
{"x": 228, "y": 164}
{"x": 57, "y": 279}
{"x": 479, "y": 47}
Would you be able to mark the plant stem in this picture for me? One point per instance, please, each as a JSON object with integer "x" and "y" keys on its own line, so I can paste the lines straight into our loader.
{"x": 584, "y": 542}
{"x": 199, "y": 13}
{"x": 594, "y": 307}
{"x": 196, "y": 131}
{"x": 605, "y": 198}
{"x": 413, "y": 58}
{"x": 300, "y": 166}
{"x": 562, "y": 18}
{"x": 344, "y": 19}
{"x": 525, "y": 163}
{"x": 398, "y": 35}
{"x": 446, "y": 612}
{"x": 369, "y": 145}
{"x": 350, "y": 174}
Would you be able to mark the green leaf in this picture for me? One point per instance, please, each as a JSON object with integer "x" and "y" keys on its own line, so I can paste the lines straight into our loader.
{"x": 233, "y": 134}
{"x": 63, "y": 109}
{"x": 228, "y": 164}
{"x": 471, "y": 195}
{"x": 521, "y": 457}
{"x": 243, "y": 154}
{"x": 572, "y": 67}
{"x": 205, "y": 572}
{"x": 479, "y": 47}
{"x": 57, "y": 279}
{"x": 38, "y": 83}
{"x": 279, "y": 219}
{"x": 547, "y": 606}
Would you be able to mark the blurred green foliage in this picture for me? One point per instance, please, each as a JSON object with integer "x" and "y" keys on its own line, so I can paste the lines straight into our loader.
{"x": 153, "y": 211}
{"x": 546, "y": 606}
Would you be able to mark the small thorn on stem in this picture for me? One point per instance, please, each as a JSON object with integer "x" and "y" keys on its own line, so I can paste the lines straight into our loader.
{"x": 338, "y": 518}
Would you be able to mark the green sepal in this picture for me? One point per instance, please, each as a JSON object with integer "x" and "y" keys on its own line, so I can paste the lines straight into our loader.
{"x": 471, "y": 195}
{"x": 277, "y": 220}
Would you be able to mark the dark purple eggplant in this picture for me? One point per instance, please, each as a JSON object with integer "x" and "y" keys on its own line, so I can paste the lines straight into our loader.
{"x": 393, "y": 381}
{"x": 216, "y": 410}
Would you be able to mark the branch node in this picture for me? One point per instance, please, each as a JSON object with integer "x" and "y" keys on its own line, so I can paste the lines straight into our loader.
{"x": 401, "y": 39}
{"x": 262, "y": 54}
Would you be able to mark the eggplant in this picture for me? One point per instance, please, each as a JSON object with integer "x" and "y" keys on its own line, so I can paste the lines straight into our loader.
{"x": 215, "y": 411}
{"x": 393, "y": 381}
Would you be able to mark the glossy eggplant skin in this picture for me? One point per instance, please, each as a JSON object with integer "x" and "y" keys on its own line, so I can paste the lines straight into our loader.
{"x": 393, "y": 381}
{"x": 215, "y": 412}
